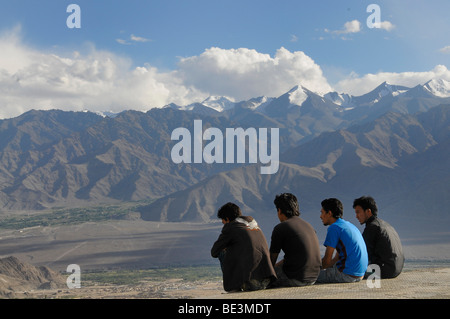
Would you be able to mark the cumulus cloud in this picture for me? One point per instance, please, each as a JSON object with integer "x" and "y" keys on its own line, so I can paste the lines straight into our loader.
{"x": 352, "y": 27}
{"x": 98, "y": 81}
{"x": 12, "y": 59}
{"x": 102, "y": 81}
{"x": 244, "y": 73}
{"x": 358, "y": 85}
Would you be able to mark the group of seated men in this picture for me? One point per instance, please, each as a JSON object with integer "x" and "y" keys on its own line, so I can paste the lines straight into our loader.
{"x": 249, "y": 264}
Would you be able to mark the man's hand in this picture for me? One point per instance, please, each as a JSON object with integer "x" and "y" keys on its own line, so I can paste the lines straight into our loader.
{"x": 273, "y": 258}
{"x": 328, "y": 261}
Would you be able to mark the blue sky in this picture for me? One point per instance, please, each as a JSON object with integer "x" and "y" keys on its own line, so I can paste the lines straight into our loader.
{"x": 330, "y": 40}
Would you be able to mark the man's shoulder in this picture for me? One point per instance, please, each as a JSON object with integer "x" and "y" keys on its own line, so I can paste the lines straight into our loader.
{"x": 338, "y": 224}
{"x": 376, "y": 224}
{"x": 304, "y": 224}
{"x": 294, "y": 221}
{"x": 280, "y": 226}
{"x": 283, "y": 226}
{"x": 381, "y": 226}
{"x": 342, "y": 225}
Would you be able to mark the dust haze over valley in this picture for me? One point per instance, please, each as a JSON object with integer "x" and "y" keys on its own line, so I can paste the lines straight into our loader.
{"x": 103, "y": 193}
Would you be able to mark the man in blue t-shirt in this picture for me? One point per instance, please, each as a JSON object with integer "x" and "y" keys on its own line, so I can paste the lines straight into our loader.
{"x": 350, "y": 261}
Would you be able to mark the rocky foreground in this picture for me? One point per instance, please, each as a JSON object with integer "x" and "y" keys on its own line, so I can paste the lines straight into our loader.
{"x": 20, "y": 280}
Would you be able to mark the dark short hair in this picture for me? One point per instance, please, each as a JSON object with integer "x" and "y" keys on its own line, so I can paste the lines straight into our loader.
{"x": 366, "y": 202}
{"x": 288, "y": 204}
{"x": 334, "y": 205}
{"x": 229, "y": 211}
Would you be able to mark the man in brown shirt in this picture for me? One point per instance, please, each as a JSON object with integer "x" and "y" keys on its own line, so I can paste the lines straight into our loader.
{"x": 243, "y": 252}
{"x": 298, "y": 239}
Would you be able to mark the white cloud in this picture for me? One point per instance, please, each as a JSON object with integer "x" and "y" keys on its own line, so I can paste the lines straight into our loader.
{"x": 244, "y": 73}
{"x": 445, "y": 50}
{"x": 123, "y": 41}
{"x": 138, "y": 39}
{"x": 353, "y": 26}
{"x": 358, "y": 85}
{"x": 12, "y": 59}
{"x": 97, "y": 81}
{"x": 100, "y": 80}
{"x": 384, "y": 25}
{"x": 133, "y": 38}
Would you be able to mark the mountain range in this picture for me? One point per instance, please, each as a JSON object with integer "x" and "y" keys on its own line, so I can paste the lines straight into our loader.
{"x": 392, "y": 143}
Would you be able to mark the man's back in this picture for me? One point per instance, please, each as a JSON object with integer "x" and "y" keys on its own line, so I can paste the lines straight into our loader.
{"x": 247, "y": 253}
{"x": 347, "y": 240}
{"x": 299, "y": 242}
{"x": 384, "y": 247}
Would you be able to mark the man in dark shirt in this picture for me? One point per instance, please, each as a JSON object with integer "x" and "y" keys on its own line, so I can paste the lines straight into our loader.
{"x": 298, "y": 239}
{"x": 383, "y": 243}
{"x": 243, "y": 252}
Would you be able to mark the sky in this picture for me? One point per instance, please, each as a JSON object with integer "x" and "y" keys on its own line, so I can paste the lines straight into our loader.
{"x": 114, "y": 55}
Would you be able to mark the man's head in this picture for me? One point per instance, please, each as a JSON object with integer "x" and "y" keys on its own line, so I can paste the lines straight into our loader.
{"x": 287, "y": 205}
{"x": 365, "y": 207}
{"x": 229, "y": 212}
{"x": 332, "y": 209}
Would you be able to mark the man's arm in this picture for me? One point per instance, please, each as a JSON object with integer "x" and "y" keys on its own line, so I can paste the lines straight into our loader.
{"x": 371, "y": 236}
{"x": 221, "y": 243}
{"x": 328, "y": 260}
{"x": 273, "y": 258}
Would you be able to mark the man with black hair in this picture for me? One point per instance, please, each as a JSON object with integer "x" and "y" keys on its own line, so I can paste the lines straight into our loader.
{"x": 350, "y": 262}
{"x": 383, "y": 243}
{"x": 243, "y": 252}
{"x": 299, "y": 242}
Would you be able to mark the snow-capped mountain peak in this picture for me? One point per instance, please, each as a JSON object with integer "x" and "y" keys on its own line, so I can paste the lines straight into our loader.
{"x": 385, "y": 89}
{"x": 110, "y": 114}
{"x": 219, "y": 103}
{"x": 258, "y": 103}
{"x": 438, "y": 87}
{"x": 342, "y": 99}
{"x": 297, "y": 95}
{"x": 350, "y": 101}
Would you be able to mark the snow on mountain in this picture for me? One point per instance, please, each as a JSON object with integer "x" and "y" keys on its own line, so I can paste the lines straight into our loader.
{"x": 219, "y": 103}
{"x": 189, "y": 107}
{"x": 256, "y": 104}
{"x": 107, "y": 113}
{"x": 341, "y": 99}
{"x": 386, "y": 88}
{"x": 438, "y": 87}
{"x": 297, "y": 95}
{"x": 380, "y": 92}
{"x": 350, "y": 101}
